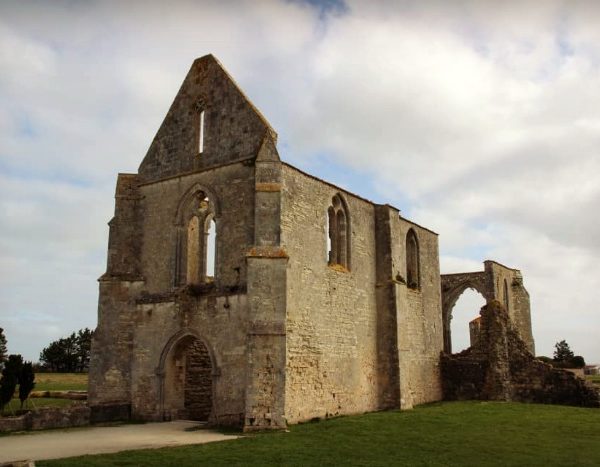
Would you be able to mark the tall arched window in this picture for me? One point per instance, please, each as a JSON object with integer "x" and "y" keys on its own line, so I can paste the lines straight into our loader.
{"x": 505, "y": 295}
{"x": 413, "y": 278}
{"x": 339, "y": 233}
{"x": 196, "y": 244}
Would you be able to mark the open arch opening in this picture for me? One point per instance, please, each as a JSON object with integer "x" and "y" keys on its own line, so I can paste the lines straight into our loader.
{"x": 465, "y": 320}
{"x": 188, "y": 380}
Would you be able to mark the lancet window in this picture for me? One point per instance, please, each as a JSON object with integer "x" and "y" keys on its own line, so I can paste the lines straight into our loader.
{"x": 413, "y": 277}
{"x": 197, "y": 242}
{"x": 339, "y": 233}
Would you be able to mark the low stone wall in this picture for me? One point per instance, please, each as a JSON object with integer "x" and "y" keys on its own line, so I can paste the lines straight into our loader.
{"x": 40, "y": 419}
{"x": 500, "y": 367}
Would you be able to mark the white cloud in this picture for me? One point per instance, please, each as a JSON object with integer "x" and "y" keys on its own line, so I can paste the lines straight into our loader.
{"x": 479, "y": 120}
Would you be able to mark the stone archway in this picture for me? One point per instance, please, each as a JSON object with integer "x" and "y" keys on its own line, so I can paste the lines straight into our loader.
{"x": 187, "y": 373}
{"x": 453, "y": 286}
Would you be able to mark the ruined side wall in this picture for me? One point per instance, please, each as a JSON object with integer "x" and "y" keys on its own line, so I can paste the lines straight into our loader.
{"x": 500, "y": 367}
{"x": 331, "y": 365}
{"x": 233, "y": 187}
{"x": 111, "y": 345}
{"x": 420, "y": 330}
{"x": 220, "y": 322}
{"x": 518, "y": 298}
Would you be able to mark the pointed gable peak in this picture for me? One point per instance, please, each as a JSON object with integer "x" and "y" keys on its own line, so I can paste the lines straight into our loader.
{"x": 210, "y": 59}
{"x": 211, "y": 122}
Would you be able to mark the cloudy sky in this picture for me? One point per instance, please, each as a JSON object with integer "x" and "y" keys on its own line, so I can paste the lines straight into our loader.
{"x": 478, "y": 120}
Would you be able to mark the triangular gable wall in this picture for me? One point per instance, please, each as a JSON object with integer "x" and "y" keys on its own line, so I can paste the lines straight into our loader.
{"x": 233, "y": 128}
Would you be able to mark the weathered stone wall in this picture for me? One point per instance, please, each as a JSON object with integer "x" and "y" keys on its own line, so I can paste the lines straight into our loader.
{"x": 110, "y": 363}
{"x": 517, "y": 298}
{"x": 220, "y": 322}
{"x": 342, "y": 355}
{"x": 42, "y": 419}
{"x": 231, "y": 189}
{"x": 331, "y": 328}
{"x": 118, "y": 323}
{"x": 420, "y": 330}
{"x": 500, "y": 367}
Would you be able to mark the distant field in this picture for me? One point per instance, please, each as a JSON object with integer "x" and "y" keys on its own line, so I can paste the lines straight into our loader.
{"x": 442, "y": 434}
{"x": 61, "y": 381}
{"x": 51, "y": 382}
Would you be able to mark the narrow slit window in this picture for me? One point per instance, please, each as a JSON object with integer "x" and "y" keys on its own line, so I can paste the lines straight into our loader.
{"x": 201, "y": 132}
{"x": 413, "y": 274}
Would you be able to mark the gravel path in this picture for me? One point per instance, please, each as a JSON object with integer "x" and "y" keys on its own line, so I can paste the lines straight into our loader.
{"x": 55, "y": 444}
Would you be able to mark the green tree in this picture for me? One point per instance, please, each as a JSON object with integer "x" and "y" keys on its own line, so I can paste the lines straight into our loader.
{"x": 562, "y": 352}
{"x": 68, "y": 354}
{"x": 10, "y": 378}
{"x": 565, "y": 358}
{"x": 26, "y": 382}
{"x": 2, "y": 348}
{"x": 83, "y": 345}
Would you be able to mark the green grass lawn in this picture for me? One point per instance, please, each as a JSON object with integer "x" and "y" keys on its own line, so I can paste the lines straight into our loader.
{"x": 460, "y": 433}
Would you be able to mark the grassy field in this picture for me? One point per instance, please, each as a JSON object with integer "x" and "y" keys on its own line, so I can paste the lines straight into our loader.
{"x": 61, "y": 381}
{"x": 50, "y": 382}
{"x": 460, "y": 433}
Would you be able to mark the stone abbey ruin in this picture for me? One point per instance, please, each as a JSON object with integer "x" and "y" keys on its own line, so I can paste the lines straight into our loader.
{"x": 242, "y": 291}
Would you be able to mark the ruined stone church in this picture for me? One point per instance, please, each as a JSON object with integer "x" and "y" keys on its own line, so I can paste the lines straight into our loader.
{"x": 243, "y": 291}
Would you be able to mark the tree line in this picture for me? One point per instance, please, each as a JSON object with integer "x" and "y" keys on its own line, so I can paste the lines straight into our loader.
{"x": 69, "y": 354}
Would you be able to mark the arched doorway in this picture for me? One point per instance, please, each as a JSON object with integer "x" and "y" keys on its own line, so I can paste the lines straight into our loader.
{"x": 187, "y": 384}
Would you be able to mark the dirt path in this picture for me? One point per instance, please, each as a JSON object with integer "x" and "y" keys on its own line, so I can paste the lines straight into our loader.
{"x": 55, "y": 444}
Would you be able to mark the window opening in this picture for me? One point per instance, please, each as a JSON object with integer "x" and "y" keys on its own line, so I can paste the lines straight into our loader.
{"x": 338, "y": 238}
{"x": 201, "y": 132}
{"x": 197, "y": 249}
{"x": 413, "y": 280}
{"x": 211, "y": 237}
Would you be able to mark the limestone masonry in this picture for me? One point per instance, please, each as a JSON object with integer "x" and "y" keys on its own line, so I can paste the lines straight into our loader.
{"x": 242, "y": 291}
